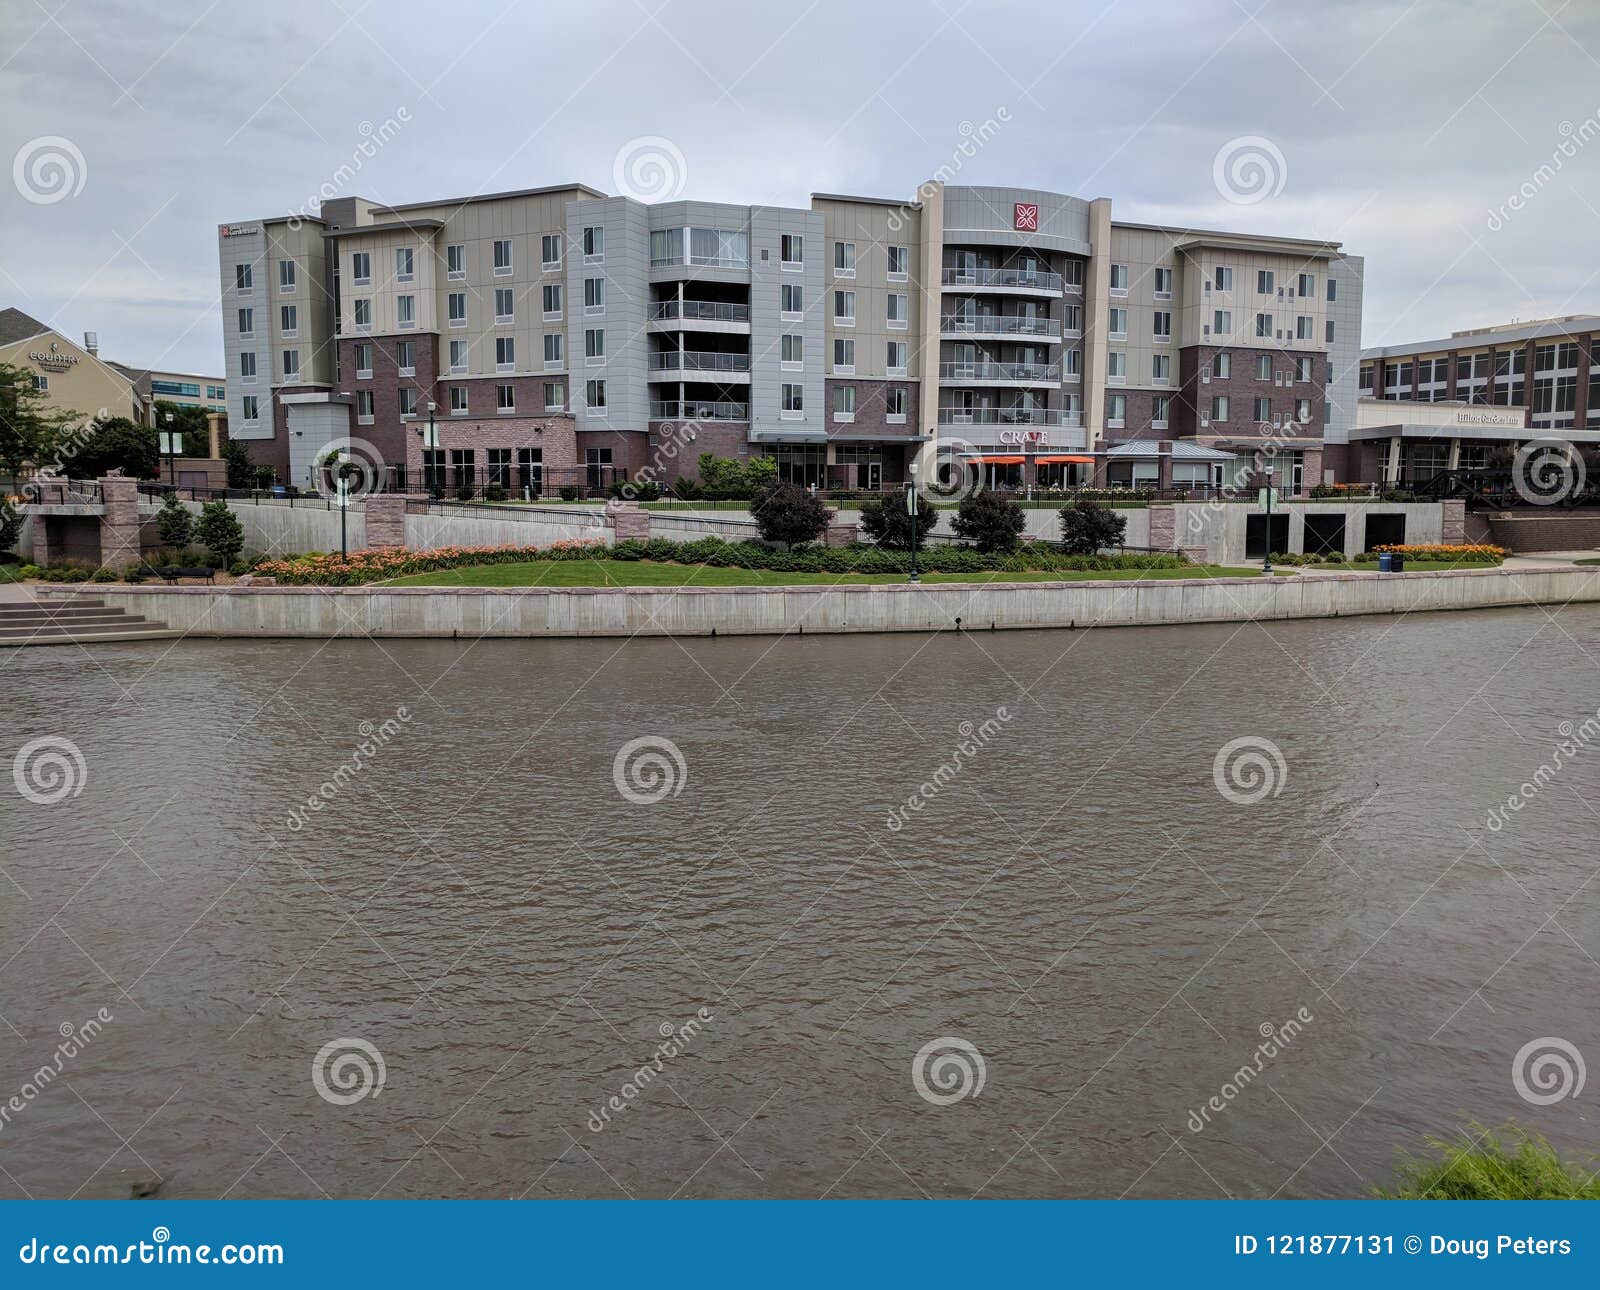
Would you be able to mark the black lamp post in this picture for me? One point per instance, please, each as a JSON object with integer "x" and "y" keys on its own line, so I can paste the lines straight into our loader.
{"x": 432, "y": 446}
{"x": 172, "y": 464}
{"x": 1266, "y": 567}
{"x": 911, "y": 509}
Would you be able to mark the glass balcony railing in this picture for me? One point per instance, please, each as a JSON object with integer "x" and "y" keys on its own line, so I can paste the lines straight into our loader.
{"x": 999, "y": 417}
{"x": 1036, "y": 279}
{"x": 700, "y": 310}
{"x": 1000, "y": 371}
{"x": 692, "y": 360}
{"x": 698, "y": 410}
{"x": 998, "y": 325}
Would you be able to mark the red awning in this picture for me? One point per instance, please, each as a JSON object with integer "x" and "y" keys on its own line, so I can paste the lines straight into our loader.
{"x": 992, "y": 460}
{"x": 1064, "y": 460}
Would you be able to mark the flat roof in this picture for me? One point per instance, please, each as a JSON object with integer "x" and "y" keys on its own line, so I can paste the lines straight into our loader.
{"x": 1201, "y": 236}
{"x": 1575, "y": 325}
{"x": 389, "y": 226}
{"x": 492, "y": 197}
{"x": 869, "y": 201}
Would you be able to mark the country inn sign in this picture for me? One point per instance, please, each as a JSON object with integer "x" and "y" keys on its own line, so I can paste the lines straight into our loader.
{"x": 55, "y": 359}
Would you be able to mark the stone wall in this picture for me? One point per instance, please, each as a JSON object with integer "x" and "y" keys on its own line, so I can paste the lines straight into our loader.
{"x": 1551, "y": 530}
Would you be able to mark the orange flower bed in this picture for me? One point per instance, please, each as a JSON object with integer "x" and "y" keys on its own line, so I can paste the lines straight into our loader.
{"x": 1467, "y": 552}
{"x": 396, "y": 562}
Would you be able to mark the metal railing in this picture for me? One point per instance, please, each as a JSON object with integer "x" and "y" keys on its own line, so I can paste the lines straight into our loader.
{"x": 999, "y": 417}
{"x": 698, "y": 360}
{"x": 998, "y": 324}
{"x": 700, "y": 310}
{"x": 1000, "y": 371}
{"x": 692, "y": 410}
{"x": 1037, "y": 279}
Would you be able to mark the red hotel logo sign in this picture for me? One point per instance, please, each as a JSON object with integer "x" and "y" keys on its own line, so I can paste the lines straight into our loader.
{"x": 1027, "y": 217}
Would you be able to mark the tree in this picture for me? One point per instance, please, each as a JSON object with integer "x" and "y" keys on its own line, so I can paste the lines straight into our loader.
{"x": 889, "y": 524}
{"x": 174, "y": 523}
{"x": 731, "y": 475}
{"x": 241, "y": 470}
{"x": 31, "y": 429}
{"x": 989, "y": 520}
{"x": 1088, "y": 528}
{"x": 789, "y": 513}
{"x": 221, "y": 532}
{"x": 118, "y": 444}
{"x": 189, "y": 421}
{"x": 10, "y": 524}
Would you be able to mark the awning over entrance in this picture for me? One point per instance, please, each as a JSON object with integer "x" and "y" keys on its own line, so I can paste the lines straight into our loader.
{"x": 1061, "y": 459}
{"x": 991, "y": 459}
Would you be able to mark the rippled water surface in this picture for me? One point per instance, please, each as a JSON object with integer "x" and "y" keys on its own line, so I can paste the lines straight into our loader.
{"x": 1077, "y": 902}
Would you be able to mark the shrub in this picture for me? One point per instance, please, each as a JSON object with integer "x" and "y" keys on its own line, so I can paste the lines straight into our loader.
{"x": 1511, "y": 1163}
{"x": 569, "y": 492}
{"x": 174, "y": 523}
{"x": 10, "y": 525}
{"x": 103, "y": 575}
{"x": 635, "y": 490}
{"x": 888, "y": 523}
{"x": 990, "y": 521}
{"x": 789, "y": 513}
{"x": 494, "y": 493}
{"x": 688, "y": 489}
{"x": 135, "y": 574}
{"x": 1087, "y": 528}
{"x": 464, "y": 493}
{"x": 220, "y": 530}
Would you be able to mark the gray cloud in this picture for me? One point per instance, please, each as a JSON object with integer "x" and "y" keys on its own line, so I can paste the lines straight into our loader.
{"x": 1402, "y": 126}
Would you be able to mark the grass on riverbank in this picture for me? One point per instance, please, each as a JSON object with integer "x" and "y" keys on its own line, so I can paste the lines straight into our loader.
{"x": 1511, "y": 1163}
{"x": 646, "y": 573}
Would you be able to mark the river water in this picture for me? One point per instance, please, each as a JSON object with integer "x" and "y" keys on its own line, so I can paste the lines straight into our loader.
{"x": 1073, "y": 909}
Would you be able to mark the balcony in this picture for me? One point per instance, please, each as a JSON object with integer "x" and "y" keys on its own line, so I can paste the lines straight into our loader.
{"x": 1033, "y": 281}
{"x": 1001, "y": 417}
{"x": 697, "y": 410}
{"x": 999, "y": 325}
{"x": 699, "y": 311}
{"x": 1000, "y": 373}
{"x": 696, "y": 360}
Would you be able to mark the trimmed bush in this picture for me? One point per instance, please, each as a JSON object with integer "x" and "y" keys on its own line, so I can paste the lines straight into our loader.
{"x": 990, "y": 521}
{"x": 220, "y": 530}
{"x": 1087, "y": 527}
{"x": 789, "y": 513}
{"x": 174, "y": 523}
{"x": 889, "y": 524}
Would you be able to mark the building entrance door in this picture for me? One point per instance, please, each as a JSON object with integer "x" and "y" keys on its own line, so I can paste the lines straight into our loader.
{"x": 872, "y": 475}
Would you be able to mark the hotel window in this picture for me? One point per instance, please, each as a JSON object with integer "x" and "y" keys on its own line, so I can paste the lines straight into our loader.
{"x": 1116, "y": 409}
{"x": 1307, "y": 285}
{"x": 1263, "y": 282}
{"x": 455, "y": 261}
{"x": 552, "y": 301}
{"x": 844, "y": 259}
{"x": 897, "y": 351}
{"x": 553, "y": 402}
{"x": 458, "y": 400}
{"x": 594, "y": 394}
{"x": 499, "y": 467}
{"x": 1263, "y": 410}
{"x": 505, "y": 309}
{"x": 844, "y": 308}
{"x": 794, "y": 401}
{"x": 1160, "y": 412}
{"x": 899, "y": 262}
{"x": 1222, "y": 365}
{"x": 719, "y": 247}
{"x": 894, "y": 405}
{"x": 404, "y": 264}
{"x": 666, "y": 247}
{"x": 792, "y": 250}
{"x": 1221, "y": 322}
{"x": 459, "y": 354}
{"x": 794, "y": 352}
{"x": 289, "y": 320}
{"x": 1327, "y": 332}
{"x": 41, "y": 383}
{"x": 363, "y": 354}
{"x": 405, "y": 357}
{"x": 1161, "y": 367}
{"x": 1333, "y": 290}
{"x": 247, "y": 367}
{"x": 505, "y": 398}
{"x": 243, "y": 277}
{"x": 247, "y": 322}
{"x": 1302, "y": 411}
{"x": 505, "y": 353}
{"x": 1071, "y": 320}
{"x": 1302, "y": 367}
{"x": 291, "y": 364}
{"x": 408, "y": 401}
{"x": 1119, "y": 279}
{"x": 552, "y": 349}
{"x": 361, "y": 268}
{"x": 286, "y": 276}
{"x": 1161, "y": 325}
{"x": 550, "y": 251}
{"x": 594, "y": 295}
{"x": 1263, "y": 367}
{"x": 1264, "y": 325}
{"x": 1219, "y": 407}
{"x": 252, "y": 408}
{"x": 363, "y": 313}
{"x": 457, "y": 305}
{"x": 406, "y": 311}
{"x": 594, "y": 245}
{"x": 1163, "y": 283}
{"x": 792, "y": 299}
{"x": 844, "y": 403}
{"x": 1119, "y": 324}
{"x": 364, "y": 407}
{"x": 594, "y": 346}
{"x": 1072, "y": 365}
{"x": 1223, "y": 277}
{"x": 844, "y": 355}
{"x": 502, "y": 257}
{"x": 1303, "y": 327}
{"x": 899, "y": 310}
{"x": 1116, "y": 366}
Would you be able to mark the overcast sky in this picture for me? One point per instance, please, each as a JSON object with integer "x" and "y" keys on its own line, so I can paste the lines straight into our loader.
{"x": 1403, "y": 129}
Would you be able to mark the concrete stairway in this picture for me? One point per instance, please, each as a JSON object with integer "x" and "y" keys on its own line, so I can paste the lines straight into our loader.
{"x": 74, "y": 622}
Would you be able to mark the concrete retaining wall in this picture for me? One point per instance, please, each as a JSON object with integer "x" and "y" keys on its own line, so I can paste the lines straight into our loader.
{"x": 1547, "y": 530}
{"x": 321, "y": 612}
{"x": 276, "y": 528}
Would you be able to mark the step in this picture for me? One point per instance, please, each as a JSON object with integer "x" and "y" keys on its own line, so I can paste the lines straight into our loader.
{"x": 154, "y": 632}
{"x": 62, "y": 612}
{"x": 99, "y": 622}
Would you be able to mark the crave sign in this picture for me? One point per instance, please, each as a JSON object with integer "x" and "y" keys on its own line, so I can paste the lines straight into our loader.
{"x": 1023, "y": 437}
{"x": 1027, "y": 217}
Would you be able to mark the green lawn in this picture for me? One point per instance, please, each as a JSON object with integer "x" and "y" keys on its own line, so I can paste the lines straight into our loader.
{"x": 644, "y": 573}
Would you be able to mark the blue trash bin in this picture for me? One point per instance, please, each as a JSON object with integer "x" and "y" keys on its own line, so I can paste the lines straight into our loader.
{"x": 1385, "y": 562}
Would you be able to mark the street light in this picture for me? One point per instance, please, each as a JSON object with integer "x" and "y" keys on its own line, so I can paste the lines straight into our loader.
{"x": 432, "y": 445}
{"x": 1266, "y": 567}
{"x": 172, "y": 467}
{"x": 911, "y": 509}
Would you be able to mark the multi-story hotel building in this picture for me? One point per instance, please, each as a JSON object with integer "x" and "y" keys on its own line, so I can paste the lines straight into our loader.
{"x": 1500, "y": 387}
{"x": 558, "y": 335}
